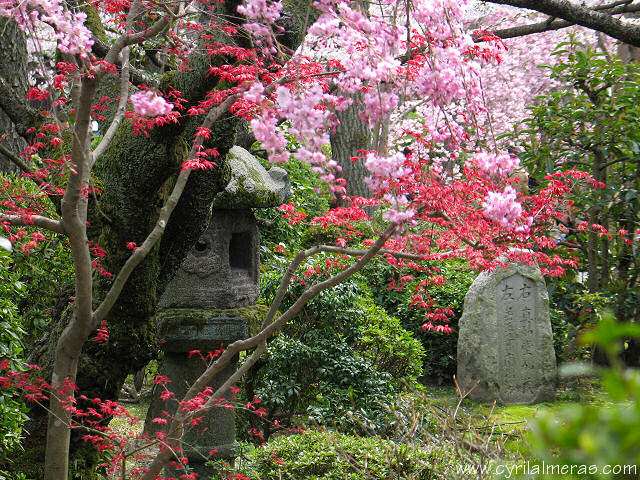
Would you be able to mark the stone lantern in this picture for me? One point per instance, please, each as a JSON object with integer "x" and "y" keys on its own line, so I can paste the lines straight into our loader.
{"x": 211, "y": 301}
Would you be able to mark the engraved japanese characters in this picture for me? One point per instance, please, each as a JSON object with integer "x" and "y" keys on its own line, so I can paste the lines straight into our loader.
{"x": 505, "y": 344}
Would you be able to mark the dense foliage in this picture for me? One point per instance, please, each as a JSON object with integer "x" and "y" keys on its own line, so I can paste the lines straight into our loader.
{"x": 594, "y": 438}
{"x": 337, "y": 364}
{"x": 592, "y": 123}
{"x": 394, "y": 290}
{"x": 12, "y": 407}
{"x": 335, "y": 456}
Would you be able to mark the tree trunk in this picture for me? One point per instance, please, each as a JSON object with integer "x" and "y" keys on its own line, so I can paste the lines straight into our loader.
{"x": 352, "y": 135}
{"x": 13, "y": 71}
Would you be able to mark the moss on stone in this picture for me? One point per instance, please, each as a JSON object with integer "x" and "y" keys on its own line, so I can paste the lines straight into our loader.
{"x": 251, "y": 186}
{"x": 174, "y": 318}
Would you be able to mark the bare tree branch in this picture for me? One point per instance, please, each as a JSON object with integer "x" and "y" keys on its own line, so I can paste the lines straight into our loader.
{"x": 552, "y": 24}
{"x": 124, "y": 92}
{"x": 138, "y": 77}
{"x": 563, "y": 10}
{"x": 131, "y": 38}
{"x": 47, "y": 223}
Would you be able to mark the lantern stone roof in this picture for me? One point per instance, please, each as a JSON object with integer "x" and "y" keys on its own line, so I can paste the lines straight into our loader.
{"x": 251, "y": 185}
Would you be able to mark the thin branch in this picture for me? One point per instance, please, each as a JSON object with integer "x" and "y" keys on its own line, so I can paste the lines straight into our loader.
{"x": 47, "y": 223}
{"x": 124, "y": 92}
{"x": 18, "y": 161}
{"x": 132, "y": 38}
{"x": 138, "y": 77}
{"x": 618, "y": 160}
{"x": 22, "y": 116}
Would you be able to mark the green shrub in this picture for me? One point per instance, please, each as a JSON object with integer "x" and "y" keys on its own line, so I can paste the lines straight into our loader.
{"x": 319, "y": 455}
{"x": 46, "y": 272}
{"x": 304, "y": 194}
{"x": 337, "y": 363}
{"x": 390, "y": 347}
{"x": 592, "y": 123}
{"x": 12, "y": 408}
{"x": 439, "y": 361}
{"x": 590, "y": 437}
{"x": 323, "y": 379}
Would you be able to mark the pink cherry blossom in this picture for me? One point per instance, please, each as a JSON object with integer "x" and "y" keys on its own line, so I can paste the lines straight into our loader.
{"x": 496, "y": 164}
{"x": 398, "y": 216}
{"x": 262, "y": 14}
{"x": 255, "y": 93}
{"x": 150, "y": 104}
{"x": 73, "y": 37}
{"x": 502, "y": 207}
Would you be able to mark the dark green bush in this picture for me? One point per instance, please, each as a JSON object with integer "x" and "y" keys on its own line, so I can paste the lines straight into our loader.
{"x": 324, "y": 380}
{"x": 337, "y": 363}
{"x": 333, "y": 456}
{"x": 12, "y": 408}
{"x": 389, "y": 346}
{"x": 439, "y": 361}
{"x": 46, "y": 273}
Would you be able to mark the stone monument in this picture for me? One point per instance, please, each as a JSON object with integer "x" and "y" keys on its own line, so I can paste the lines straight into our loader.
{"x": 211, "y": 301}
{"x": 505, "y": 343}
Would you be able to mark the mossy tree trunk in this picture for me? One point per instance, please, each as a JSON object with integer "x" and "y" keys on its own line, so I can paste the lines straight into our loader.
{"x": 13, "y": 75}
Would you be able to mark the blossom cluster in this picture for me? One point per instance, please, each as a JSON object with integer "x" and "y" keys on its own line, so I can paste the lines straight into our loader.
{"x": 73, "y": 37}
{"x": 309, "y": 121}
{"x": 502, "y": 207}
{"x": 518, "y": 80}
{"x": 150, "y": 104}
{"x": 262, "y": 14}
{"x": 497, "y": 165}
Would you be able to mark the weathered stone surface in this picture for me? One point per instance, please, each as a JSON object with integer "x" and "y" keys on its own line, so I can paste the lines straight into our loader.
{"x": 221, "y": 271}
{"x": 251, "y": 186}
{"x": 505, "y": 343}
{"x": 206, "y": 331}
{"x": 211, "y": 301}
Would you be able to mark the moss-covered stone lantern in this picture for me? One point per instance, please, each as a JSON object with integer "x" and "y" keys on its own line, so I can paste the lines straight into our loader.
{"x": 211, "y": 301}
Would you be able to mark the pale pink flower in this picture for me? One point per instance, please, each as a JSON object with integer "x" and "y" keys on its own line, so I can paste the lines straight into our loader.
{"x": 398, "y": 216}
{"x": 502, "y": 207}
{"x": 150, "y": 104}
{"x": 496, "y": 164}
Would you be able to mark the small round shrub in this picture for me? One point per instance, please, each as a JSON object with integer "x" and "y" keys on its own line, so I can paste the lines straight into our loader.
{"x": 326, "y": 455}
{"x": 323, "y": 379}
{"x": 390, "y": 347}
